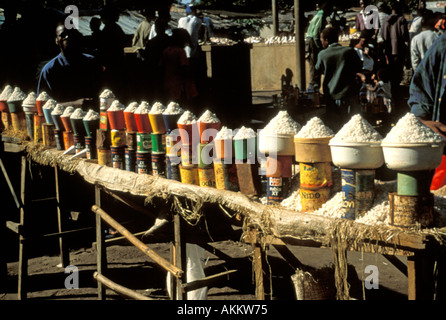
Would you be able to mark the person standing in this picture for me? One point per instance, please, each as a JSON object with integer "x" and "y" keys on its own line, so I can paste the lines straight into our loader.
{"x": 192, "y": 24}
{"x": 341, "y": 67}
{"x": 142, "y": 32}
{"x": 422, "y": 41}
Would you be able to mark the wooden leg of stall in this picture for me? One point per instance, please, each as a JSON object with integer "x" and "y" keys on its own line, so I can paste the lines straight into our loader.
{"x": 101, "y": 253}
{"x": 23, "y": 245}
{"x": 178, "y": 249}
{"x": 64, "y": 253}
{"x": 420, "y": 276}
{"x": 261, "y": 273}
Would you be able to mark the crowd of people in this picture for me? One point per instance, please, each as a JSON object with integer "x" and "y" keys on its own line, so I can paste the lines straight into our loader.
{"x": 388, "y": 49}
{"x": 165, "y": 67}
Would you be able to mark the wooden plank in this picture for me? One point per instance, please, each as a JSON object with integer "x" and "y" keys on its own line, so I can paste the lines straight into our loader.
{"x": 136, "y": 242}
{"x": 178, "y": 257}
{"x": 126, "y": 292}
{"x": 23, "y": 250}
{"x": 206, "y": 281}
{"x": 101, "y": 253}
{"x": 14, "y": 227}
{"x": 258, "y": 272}
{"x": 63, "y": 251}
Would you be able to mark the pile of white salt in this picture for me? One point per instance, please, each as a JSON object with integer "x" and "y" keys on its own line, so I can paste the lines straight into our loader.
{"x": 208, "y": 117}
{"x": 282, "y": 123}
{"x": 314, "y": 128}
{"x": 357, "y": 130}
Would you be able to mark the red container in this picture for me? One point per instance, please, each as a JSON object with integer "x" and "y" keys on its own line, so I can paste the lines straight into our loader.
{"x": 279, "y": 166}
{"x": 130, "y": 121}
{"x": 4, "y": 106}
{"x": 186, "y": 132}
{"x": 143, "y": 122}
{"x": 40, "y": 104}
{"x": 67, "y": 124}
{"x": 116, "y": 119}
{"x": 206, "y": 135}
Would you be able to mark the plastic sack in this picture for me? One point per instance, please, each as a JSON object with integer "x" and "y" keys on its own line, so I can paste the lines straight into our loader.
{"x": 439, "y": 179}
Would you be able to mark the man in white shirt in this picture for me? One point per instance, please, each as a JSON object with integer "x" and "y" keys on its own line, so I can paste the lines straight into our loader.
{"x": 422, "y": 41}
{"x": 192, "y": 24}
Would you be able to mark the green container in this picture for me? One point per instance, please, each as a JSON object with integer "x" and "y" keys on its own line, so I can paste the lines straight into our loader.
{"x": 245, "y": 149}
{"x": 90, "y": 127}
{"x": 143, "y": 142}
{"x": 205, "y": 155}
{"x": 15, "y": 106}
{"x": 158, "y": 142}
{"x": 414, "y": 183}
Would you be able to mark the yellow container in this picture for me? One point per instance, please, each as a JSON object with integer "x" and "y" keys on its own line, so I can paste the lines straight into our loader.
{"x": 315, "y": 175}
{"x": 206, "y": 177}
{"x": 49, "y": 139}
{"x": 18, "y": 121}
{"x": 189, "y": 174}
{"x": 38, "y": 134}
{"x": 313, "y": 199}
{"x": 118, "y": 138}
{"x": 225, "y": 176}
{"x": 157, "y": 123}
{"x": 312, "y": 150}
{"x": 104, "y": 157}
{"x": 6, "y": 120}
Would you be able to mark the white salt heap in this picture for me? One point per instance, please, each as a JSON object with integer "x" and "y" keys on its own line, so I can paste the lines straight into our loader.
{"x": 157, "y": 108}
{"x": 357, "y": 130}
{"x": 208, "y": 117}
{"x": 107, "y": 94}
{"x": 244, "y": 133}
{"x": 58, "y": 109}
{"x": 314, "y": 128}
{"x": 282, "y": 123}
{"x": 6, "y": 93}
{"x": 50, "y": 104}
{"x": 187, "y": 118}
{"x": 409, "y": 129}
{"x": 17, "y": 95}
{"x": 43, "y": 96}
{"x": 30, "y": 99}
{"x": 173, "y": 108}
{"x": 78, "y": 114}
{"x": 131, "y": 107}
{"x": 224, "y": 133}
{"x": 67, "y": 111}
{"x": 143, "y": 108}
{"x": 91, "y": 115}
{"x": 116, "y": 106}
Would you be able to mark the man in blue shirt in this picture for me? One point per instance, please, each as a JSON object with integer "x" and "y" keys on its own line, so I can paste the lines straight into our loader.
{"x": 72, "y": 77}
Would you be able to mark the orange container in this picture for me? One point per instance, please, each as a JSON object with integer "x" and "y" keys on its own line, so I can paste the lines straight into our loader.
{"x": 157, "y": 123}
{"x": 39, "y": 104}
{"x": 279, "y": 166}
{"x": 208, "y": 131}
{"x": 68, "y": 139}
{"x": 116, "y": 119}
{"x": 67, "y": 124}
{"x": 4, "y": 106}
{"x": 186, "y": 132}
{"x": 143, "y": 122}
{"x": 224, "y": 148}
{"x": 130, "y": 121}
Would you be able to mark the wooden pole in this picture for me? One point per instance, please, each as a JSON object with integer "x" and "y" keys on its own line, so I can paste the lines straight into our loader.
{"x": 23, "y": 246}
{"x": 118, "y": 288}
{"x": 101, "y": 253}
{"x": 300, "y": 46}
{"x": 137, "y": 243}
{"x": 178, "y": 256}
{"x": 64, "y": 253}
{"x": 275, "y": 16}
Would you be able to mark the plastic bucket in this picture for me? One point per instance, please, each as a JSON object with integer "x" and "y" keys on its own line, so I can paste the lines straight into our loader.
{"x": 4, "y": 106}
{"x": 186, "y": 132}
{"x": 367, "y": 155}
{"x": 413, "y": 157}
{"x": 91, "y": 126}
{"x": 78, "y": 127}
{"x": 47, "y": 115}
{"x": 143, "y": 122}
{"x": 245, "y": 149}
{"x": 15, "y": 106}
{"x": 57, "y": 120}
{"x": 279, "y": 166}
{"x": 39, "y": 105}
{"x": 170, "y": 121}
{"x": 312, "y": 150}
{"x": 208, "y": 131}
{"x": 157, "y": 123}
{"x": 116, "y": 119}
{"x": 130, "y": 121}
{"x": 280, "y": 144}
{"x": 67, "y": 124}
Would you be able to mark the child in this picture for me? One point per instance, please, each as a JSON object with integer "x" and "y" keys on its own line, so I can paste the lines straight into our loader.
{"x": 381, "y": 89}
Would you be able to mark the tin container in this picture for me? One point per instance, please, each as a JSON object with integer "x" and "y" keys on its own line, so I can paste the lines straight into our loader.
{"x": 173, "y": 145}
{"x": 103, "y": 121}
{"x": 131, "y": 140}
{"x": 173, "y": 168}
{"x": 117, "y": 157}
{"x": 413, "y": 183}
{"x": 104, "y": 157}
{"x": 189, "y": 174}
{"x": 130, "y": 159}
{"x": 143, "y": 162}
{"x": 58, "y": 137}
{"x": 188, "y": 155}
{"x": 68, "y": 139}
{"x": 143, "y": 142}
{"x": 103, "y": 139}
{"x": 349, "y": 194}
{"x": 38, "y": 133}
{"x": 29, "y": 118}
{"x": 365, "y": 191}
{"x": 117, "y": 138}
{"x": 409, "y": 211}
{"x": 277, "y": 189}
{"x": 206, "y": 176}
{"x": 315, "y": 175}
{"x": 249, "y": 179}
{"x": 79, "y": 143}
{"x": 6, "y": 120}
{"x": 159, "y": 164}
{"x": 90, "y": 146}
{"x": 313, "y": 199}
{"x": 205, "y": 154}
{"x": 226, "y": 176}
{"x": 158, "y": 142}
{"x": 48, "y": 135}
{"x": 18, "y": 121}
